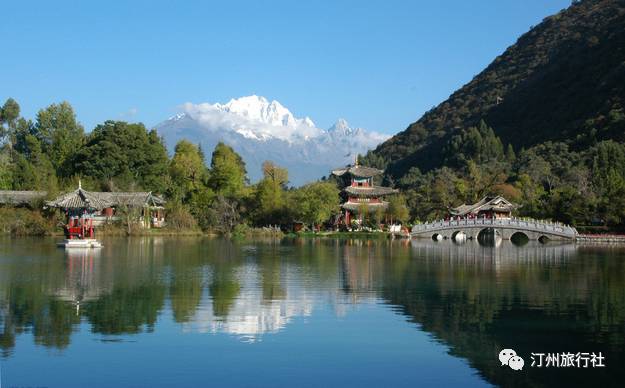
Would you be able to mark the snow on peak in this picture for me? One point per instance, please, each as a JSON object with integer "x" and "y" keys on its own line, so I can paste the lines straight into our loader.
{"x": 177, "y": 116}
{"x": 254, "y": 117}
{"x": 341, "y": 127}
{"x": 258, "y": 108}
{"x": 259, "y": 130}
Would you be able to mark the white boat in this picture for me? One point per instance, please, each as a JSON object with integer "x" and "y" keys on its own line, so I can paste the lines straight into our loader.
{"x": 79, "y": 243}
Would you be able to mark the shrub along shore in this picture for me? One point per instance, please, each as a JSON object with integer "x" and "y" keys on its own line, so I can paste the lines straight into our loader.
{"x": 27, "y": 222}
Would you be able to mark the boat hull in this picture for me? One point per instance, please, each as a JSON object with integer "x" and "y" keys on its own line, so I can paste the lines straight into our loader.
{"x": 79, "y": 243}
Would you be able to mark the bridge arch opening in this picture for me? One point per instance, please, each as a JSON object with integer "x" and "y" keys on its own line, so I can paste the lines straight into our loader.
{"x": 543, "y": 239}
{"x": 489, "y": 236}
{"x": 519, "y": 238}
{"x": 437, "y": 237}
{"x": 459, "y": 236}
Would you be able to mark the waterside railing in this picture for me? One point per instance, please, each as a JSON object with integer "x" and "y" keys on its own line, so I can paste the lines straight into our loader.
{"x": 512, "y": 223}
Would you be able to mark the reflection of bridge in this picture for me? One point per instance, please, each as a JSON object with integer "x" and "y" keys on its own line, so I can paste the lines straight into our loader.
{"x": 505, "y": 228}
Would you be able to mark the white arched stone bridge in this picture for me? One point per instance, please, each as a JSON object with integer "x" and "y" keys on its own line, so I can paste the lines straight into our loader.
{"x": 470, "y": 228}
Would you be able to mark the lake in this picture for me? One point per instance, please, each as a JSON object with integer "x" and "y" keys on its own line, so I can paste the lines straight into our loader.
{"x": 178, "y": 312}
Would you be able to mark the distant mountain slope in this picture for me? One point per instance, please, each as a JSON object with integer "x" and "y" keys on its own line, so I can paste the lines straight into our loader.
{"x": 564, "y": 80}
{"x": 260, "y": 130}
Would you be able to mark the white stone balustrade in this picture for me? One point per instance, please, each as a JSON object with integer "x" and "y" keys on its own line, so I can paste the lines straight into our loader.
{"x": 511, "y": 225}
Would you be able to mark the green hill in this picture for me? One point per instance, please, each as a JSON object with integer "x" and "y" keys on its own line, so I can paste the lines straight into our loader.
{"x": 543, "y": 124}
{"x": 564, "y": 80}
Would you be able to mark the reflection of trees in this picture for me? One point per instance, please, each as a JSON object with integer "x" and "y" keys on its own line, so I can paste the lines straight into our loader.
{"x": 27, "y": 309}
{"x": 223, "y": 289}
{"x": 137, "y": 293}
{"x": 270, "y": 267}
{"x": 185, "y": 282}
{"x": 224, "y": 286}
{"x": 483, "y": 300}
{"x": 46, "y": 291}
{"x": 27, "y": 303}
{"x": 126, "y": 310}
{"x": 185, "y": 293}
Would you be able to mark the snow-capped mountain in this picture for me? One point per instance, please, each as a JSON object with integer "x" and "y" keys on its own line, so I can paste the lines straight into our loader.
{"x": 260, "y": 130}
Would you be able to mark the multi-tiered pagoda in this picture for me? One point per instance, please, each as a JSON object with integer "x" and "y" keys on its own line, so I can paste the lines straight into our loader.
{"x": 360, "y": 193}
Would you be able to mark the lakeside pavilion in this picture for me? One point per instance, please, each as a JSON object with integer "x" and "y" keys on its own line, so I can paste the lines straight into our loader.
{"x": 360, "y": 193}
{"x": 487, "y": 207}
{"x": 104, "y": 207}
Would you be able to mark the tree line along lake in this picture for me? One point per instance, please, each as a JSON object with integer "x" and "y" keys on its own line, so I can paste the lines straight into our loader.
{"x": 164, "y": 311}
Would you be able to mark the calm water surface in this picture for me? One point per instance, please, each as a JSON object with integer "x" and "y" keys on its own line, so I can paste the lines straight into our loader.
{"x": 209, "y": 312}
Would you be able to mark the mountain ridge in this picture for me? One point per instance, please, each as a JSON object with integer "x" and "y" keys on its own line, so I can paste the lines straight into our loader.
{"x": 261, "y": 130}
{"x": 532, "y": 92}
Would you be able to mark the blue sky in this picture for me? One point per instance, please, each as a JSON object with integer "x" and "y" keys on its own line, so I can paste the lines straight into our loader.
{"x": 379, "y": 64}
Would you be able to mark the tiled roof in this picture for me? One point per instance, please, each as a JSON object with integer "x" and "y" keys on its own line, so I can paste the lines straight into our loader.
{"x": 132, "y": 198}
{"x": 79, "y": 199}
{"x": 99, "y": 200}
{"x": 359, "y": 171}
{"x": 369, "y": 191}
{"x": 10, "y": 197}
{"x": 496, "y": 203}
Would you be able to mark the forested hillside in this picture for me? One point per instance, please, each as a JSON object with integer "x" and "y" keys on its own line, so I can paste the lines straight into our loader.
{"x": 544, "y": 123}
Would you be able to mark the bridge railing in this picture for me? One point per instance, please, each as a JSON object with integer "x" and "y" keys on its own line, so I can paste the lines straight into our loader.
{"x": 517, "y": 223}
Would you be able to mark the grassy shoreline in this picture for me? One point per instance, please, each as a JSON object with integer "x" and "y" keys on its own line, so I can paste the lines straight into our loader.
{"x": 341, "y": 235}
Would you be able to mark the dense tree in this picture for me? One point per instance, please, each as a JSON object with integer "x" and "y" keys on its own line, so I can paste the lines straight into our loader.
{"x": 124, "y": 156}
{"x": 608, "y": 178}
{"x": 61, "y": 136}
{"x": 9, "y": 114}
{"x": 33, "y": 170}
{"x": 477, "y": 144}
{"x": 187, "y": 169}
{"x": 189, "y": 177}
{"x": 154, "y": 170}
{"x": 315, "y": 203}
{"x": 397, "y": 209}
{"x": 228, "y": 174}
{"x": 271, "y": 194}
{"x": 6, "y": 170}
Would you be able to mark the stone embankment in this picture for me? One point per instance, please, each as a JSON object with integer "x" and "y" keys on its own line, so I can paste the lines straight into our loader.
{"x": 601, "y": 238}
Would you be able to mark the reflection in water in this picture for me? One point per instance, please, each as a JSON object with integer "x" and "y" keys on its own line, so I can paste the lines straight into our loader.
{"x": 250, "y": 312}
{"x": 81, "y": 283}
{"x": 500, "y": 258}
{"x": 475, "y": 299}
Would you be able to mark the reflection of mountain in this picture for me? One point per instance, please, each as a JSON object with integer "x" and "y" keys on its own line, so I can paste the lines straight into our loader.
{"x": 249, "y": 314}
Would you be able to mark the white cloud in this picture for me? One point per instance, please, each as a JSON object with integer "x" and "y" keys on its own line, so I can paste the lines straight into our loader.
{"x": 256, "y": 118}
{"x": 261, "y": 121}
